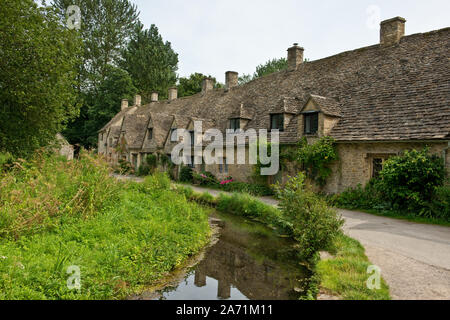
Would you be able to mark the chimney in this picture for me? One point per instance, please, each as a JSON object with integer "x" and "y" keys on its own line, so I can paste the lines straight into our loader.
{"x": 231, "y": 79}
{"x": 295, "y": 57}
{"x": 173, "y": 93}
{"x": 392, "y": 31}
{"x": 137, "y": 100}
{"x": 207, "y": 84}
{"x": 154, "y": 97}
{"x": 124, "y": 104}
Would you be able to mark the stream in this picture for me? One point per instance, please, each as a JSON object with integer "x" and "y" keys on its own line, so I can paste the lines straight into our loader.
{"x": 249, "y": 262}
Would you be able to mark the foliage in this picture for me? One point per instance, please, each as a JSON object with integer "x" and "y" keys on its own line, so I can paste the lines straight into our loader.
{"x": 105, "y": 29}
{"x": 101, "y": 105}
{"x": 316, "y": 158}
{"x": 186, "y": 174}
{"x": 346, "y": 274}
{"x": 410, "y": 185}
{"x": 124, "y": 167}
{"x": 151, "y": 62}
{"x": 148, "y": 166}
{"x": 411, "y": 178}
{"x": 124, "y": 236}
{"x": 204, "y": 179}
{"x": 38, "y": 60}
{"x": 314, "y": 224}
{"x": 6, "y": 161}
{"x": 267, "y": 68}
{"x": 250, "y": 188}
{"x": 193, "y": 84}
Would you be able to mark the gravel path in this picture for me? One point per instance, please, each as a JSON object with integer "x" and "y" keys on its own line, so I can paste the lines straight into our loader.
{"x": 414, "y": 258}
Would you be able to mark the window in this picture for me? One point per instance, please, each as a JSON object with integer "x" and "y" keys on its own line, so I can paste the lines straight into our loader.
{"x": 377, "y": 166}
{"x": 311, "y": 124}
{"x": 101, "y": 137}
{"x": 235, "y": 124}
{"x": 110, "y": 141}
{"x": 191, "y": 165}
{"x": 223, "y": 167}
{"x": 277, "y": 122}
{"x": 173, "y": 135}
{"x": 191, "y": 133}
{"x": 150, "y": 134}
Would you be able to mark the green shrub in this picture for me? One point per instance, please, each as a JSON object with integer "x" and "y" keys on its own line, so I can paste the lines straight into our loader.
{"x": 124, "y": 167}
{"x": 315, "y": 158}
{"x": 439, "y": 206}
{"x": 369, "y": 197}
{"x": 186, "y": 174}
{"x": 6, "y": 161}
{"x": 410, "y": 179}
{"x": 205, "y": 179}
{"x": 314, "y": 224}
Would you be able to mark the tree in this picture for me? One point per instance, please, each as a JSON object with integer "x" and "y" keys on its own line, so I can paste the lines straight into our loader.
{"x": 267, "y": 68}
{"x": 150, "y": 61}
{"x": 101, "y": 106}
{"x": 193, "y": 84}
{"x": 38, "y": 67}
{"x": 106, "y": 27}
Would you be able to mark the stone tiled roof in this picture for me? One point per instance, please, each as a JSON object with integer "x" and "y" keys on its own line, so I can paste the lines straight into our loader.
{"x": 399, "y": 92}
{"x": 328, "y": 106}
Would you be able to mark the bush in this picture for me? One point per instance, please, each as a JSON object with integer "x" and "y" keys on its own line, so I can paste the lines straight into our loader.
{"x": 6, "y": 161}
{"x": 411, "y": 178}
{"x": 205, "y": 179}
{"x": 369, "y": 197}
{"x": 439, "y": 206}
{"x": 315, "y": 226}
{"x": 186, "y": 174}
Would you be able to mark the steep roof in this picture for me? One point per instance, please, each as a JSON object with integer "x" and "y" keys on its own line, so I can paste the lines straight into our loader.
{"x": 399, "y": 92}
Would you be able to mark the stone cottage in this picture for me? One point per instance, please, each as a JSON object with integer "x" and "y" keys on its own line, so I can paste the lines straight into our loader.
{"x": 375, "y": 101}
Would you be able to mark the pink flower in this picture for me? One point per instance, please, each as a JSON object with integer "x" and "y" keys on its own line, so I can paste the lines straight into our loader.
{"x": 226, "y": 181}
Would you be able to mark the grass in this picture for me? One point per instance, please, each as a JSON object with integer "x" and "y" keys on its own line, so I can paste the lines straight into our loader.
{"x": 346, "y": 275}
{"x": 123, "y": 236}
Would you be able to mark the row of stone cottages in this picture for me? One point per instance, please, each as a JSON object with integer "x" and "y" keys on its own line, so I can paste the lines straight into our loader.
{"x": 375, "y": 101}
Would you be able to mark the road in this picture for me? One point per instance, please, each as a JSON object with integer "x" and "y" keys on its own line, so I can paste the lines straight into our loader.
{"x": 414, "y": 258}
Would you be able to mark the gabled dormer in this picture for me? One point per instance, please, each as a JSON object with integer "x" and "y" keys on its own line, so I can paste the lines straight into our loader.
{"x": 282, "y": 114}
{"x": 318, "y": 116}
{"x": 239, "y": 118}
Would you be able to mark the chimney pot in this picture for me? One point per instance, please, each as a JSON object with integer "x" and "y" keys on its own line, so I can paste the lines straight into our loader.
{"x": 173, "y": 93}
{"x": 207, "y": 84}
{"x": 295, "y": 57}
{"x": 231, "y": 79}
{"x": 154, "y": 97}
{"x": 137, "y": 100}
{"x": 391, "y": 31}
{"x": 124, "y": 104}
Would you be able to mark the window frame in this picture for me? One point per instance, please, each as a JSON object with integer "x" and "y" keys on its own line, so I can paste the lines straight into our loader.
{"x": 272, "y": 117}
{"x": 150, "y": 134}
{"x": 236, "y": 122}
{"x": 311, "y": 115}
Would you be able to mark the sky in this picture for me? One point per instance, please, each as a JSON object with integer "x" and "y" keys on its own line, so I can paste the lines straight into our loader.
{"x": 215, "y": 36}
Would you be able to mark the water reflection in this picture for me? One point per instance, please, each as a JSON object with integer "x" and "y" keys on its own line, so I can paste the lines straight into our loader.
{"x": 248, "y": 262}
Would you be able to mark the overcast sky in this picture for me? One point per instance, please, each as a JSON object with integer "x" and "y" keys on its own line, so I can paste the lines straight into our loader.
{"x": 214, "y": 36}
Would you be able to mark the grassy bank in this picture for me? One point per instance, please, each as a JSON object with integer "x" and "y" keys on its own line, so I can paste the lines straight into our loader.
{"x": 123, "y": 236}
{"x": 346, "y": 274}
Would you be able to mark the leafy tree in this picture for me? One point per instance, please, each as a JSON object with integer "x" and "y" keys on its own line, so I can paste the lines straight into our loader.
{"x": 150, "y": 61}
{"x": 106, "y": 27}
{"x": 262, "y": 70}
{"x": 193, "y": 84}
{"x": 38, "y": 63}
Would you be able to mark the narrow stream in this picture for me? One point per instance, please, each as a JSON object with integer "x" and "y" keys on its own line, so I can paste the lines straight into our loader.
{"x": 250, "y": 261}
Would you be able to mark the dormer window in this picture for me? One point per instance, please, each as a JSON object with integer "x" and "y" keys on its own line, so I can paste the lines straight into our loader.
{"x": 311, "y": 124}
{"x": 235, "y": 124}
{"x": 150, "y": 134}
{"x": 191, "y": 133}
{"x": 173, "y": 135}
{"x": 277, "y": 122}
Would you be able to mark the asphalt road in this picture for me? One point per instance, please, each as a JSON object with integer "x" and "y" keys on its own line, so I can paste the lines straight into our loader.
{"x": 414, "y": 258}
